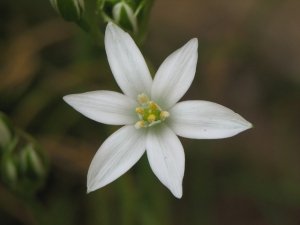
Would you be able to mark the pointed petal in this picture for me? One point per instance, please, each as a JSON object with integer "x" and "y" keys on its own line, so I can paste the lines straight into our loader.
{"x": 175, "y": 75}
{"x": 126, "y": 62}
{"x": 104, "y": 106}
{"x": 166, "y": 157}
{"x": 116, "y": 156}
{"x": 205, "y": 120}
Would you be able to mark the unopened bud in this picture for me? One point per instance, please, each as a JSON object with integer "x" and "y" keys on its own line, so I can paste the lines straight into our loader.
{"x": 23, "y": 164}
{"x": 32, "y": 162}
{"x": 70, "y": 10}
{"x": 6, "y": 131}
{"x": 9, "y": 171}
{"x": 124, "y": 16}
{"x": 131, "y": 15}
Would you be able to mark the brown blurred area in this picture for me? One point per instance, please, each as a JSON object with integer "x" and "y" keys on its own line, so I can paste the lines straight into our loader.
{"x": 249, "y": 61}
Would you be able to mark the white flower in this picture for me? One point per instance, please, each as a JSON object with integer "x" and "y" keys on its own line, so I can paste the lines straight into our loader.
{"x": 149, "y": 111}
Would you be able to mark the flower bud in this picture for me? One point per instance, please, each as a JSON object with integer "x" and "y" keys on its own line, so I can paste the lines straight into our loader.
{"x": 124, "y": 16}
{"x": 70, "y": 10}
{"x": 31, "y": 162}
{"x": 8, "y": 169}
{"x": 24, "y": 169}
{"x": 131, "y": 15}
{"x": 6, "y": 131}
{"x": 23, "y": 165}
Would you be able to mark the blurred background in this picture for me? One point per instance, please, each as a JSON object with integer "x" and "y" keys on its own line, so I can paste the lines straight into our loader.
{"x": 249, "y": 61}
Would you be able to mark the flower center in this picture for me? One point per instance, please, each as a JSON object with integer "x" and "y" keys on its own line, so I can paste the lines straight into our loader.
{"x": 149, "y": 112}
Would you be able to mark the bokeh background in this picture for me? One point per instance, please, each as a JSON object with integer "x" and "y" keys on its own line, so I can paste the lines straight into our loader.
{"x": 249, "y": 61}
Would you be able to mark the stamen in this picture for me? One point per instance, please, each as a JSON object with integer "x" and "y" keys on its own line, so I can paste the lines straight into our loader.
{"x": 142, "y": 98}
{"x": 164, "y": 114}
{"x": 139, "y": 110}
{"x": 153, "y": 105}
{"x": 139, "y": 124}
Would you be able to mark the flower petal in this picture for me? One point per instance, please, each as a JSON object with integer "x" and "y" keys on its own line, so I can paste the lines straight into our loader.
{"x": 166, "y": 157}
{"x": 205, "y": 120}
{"x": 126, "y": 62}
{"x": 116, "y": 156}
{"x": 175, "y": 75}
{"x": 104, "y": 106}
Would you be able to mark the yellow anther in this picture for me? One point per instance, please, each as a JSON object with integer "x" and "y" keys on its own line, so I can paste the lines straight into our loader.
{"x": 139, "y": 110}
{"x": 142, "y": 98}
{"x": 152, "y": 105}
{"x": 139, "y": 124}
{"x": 151, "y": 118}
{"x": 149, "y": 112}
{"x": 164, "y": 114}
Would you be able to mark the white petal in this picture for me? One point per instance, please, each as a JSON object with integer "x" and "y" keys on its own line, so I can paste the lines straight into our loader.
{"x": 116, "y": 156}
{"x": 205, "y": 120}
{"x": 175, "y": 75}
{"x": 126, "y": 62}
{"x": 166, "y": 157}
{"x": 104, "y": 106}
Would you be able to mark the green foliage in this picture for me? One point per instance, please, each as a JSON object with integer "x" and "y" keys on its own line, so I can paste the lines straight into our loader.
{"x": 70, "y": 10}
{"x": 131, "y": 15}
{"x": 92, "y": 15}
{"x": 23, "y": 164}
{"x": 6, "y": 131}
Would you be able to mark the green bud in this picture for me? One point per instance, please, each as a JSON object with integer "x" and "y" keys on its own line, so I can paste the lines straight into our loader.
{"x": 124, "y": 16}
{"x": 24, "y": 169}
{"x": 23, "y": 164}
{"x": 31, "y": 162}
{"x": 6, "y": 131}
{"x": 9, "y": 171}
{"x": 70, "y": 10}
{"x": 130, "y": 15}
